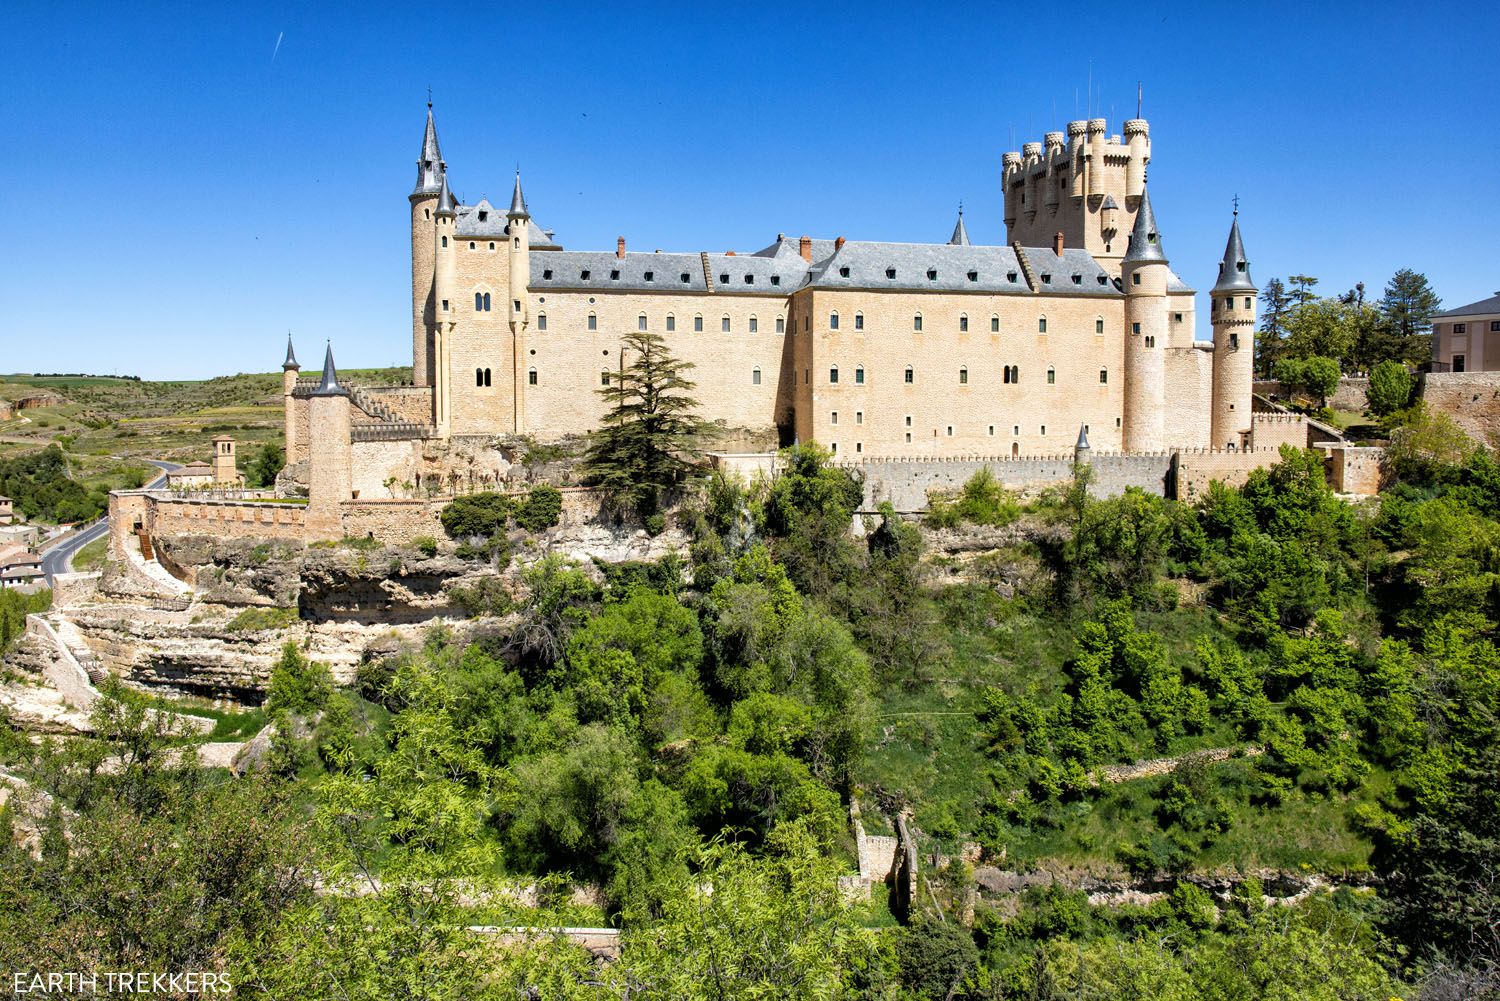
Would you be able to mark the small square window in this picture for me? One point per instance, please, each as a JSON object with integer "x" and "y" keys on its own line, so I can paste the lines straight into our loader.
{"x": 890, "y": 272}
{"x": 1459, "y": 328}
{"x": 650, "y": 276}
{"x": 1495, "y": 325}
{"x": 950, "y": 430}
{"x": 1010, "y": 276}
{"x": 614, "y": 275}
{"x": 843, "y": 272}
{"x": 749, "y": 279}
{"x": 932, "y": 274}
{"x": 547, "y": 275}
{"x": 724, "y": 278}
{"x": 1176, "y": 317}
{"x": 1078, "y": 279}
{"x": 583, "y": 275}
{"x": 686, "y": 278}
{"x": 775, "y": 279}
{"x": 1046, "y": 278}
{"x": 973, "y": 276}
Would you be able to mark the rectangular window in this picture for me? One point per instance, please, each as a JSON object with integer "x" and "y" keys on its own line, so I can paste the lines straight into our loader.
{"x": 1098, "y": 326}
{"x": 963, "y": 377}
{"x": 1177, "y": 317}
{"x": 908, "y": 420}
{"x": 859, "y": 416}
{"x": 1135, "y": 279}
{"x": 859, "y": 446}
{"x": 1459, "y": 328}
{"x": 640, "y": 322}
{"x": 604, "y": 378}
{"x": 1229, "y": 303}
{"x": 650, "y": 276}
{"x": 1495, "y": 325}
{"x": 833, "y": 321}
{"x": 992, "y": 430}
{"x": 911, "y": 376}
{"x": 859, "y": 377}
{"x": 671, "y": 323}
{"x": 754, "y": 325}
{"x": 781, "y": 325}
{"x": 908, "y": 437}
{"x": 531, "y": 378}
{"x": 916, "y": 323}
{"x": 1041, "y": 325}
{"x": 445, "y": 305}
{"x": 833, "y": 447}
{"x": 950, "y": 430}
{"x": 994, "y": 324}
{"x": 859, "y": 321}
{"x": 1150, "y": 341}
{"x": 1135, "y": 328}
{"x": 1247, "y": 304}
{"x": 1234, "y": 342}
{"x": 833, "y": 376}
{"x": 724, "y": 324}
{"x": 697, "y": 324}
{"x": 1103, "y": 376}
{"x": 833, "y": 418}
{"x": 755, "y": 378}
{"x": 963, "y": 324}
{"x": 1044, "y": 430}
{"x": 1458, "y": 363}
{"x": 541, "y": 321}
{"x": 1051, "y": 376}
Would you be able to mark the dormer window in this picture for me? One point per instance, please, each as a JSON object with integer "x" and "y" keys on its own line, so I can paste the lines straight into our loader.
{"x": 1078, "y": 279}
{"x": 749, "y": 279}
{"x": 483, "y": 215}
{"x": 932, "y": 274}
{"x": 583, "y": 275}
{"x": 1240, "y": 266}
{"x": 547, "y": 275}
{"x": 614, "y": 275}
{"x": 1010, "y": 276}
{"x": 973, "y": 276}
{"x": 1046, "y": 278}
{"x": 775, "y": 279}
{"x": 650, "y": 276}
{"x": 724, "y": 279}
{"x": 1102, "y": 279}
{"x": 890, "y": 272}
{"x": 843, "y": 272}
{"x": 686, "y": 278}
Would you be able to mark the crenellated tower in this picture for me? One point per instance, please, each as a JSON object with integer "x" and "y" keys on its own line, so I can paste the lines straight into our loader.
{"x": 1144, "y": 273}
{"x": 1234, "y": 298}
{"x": 1086, "y": 185}
{"x": 444, "y": 245}
{"x": 519, "y": 230}
{"x": 430, "y": 172}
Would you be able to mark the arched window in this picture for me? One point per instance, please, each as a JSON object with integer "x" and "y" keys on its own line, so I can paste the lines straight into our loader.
{"x": 671, "y": 323}
{"x": 781, "y": 324}
{"x": 963, "y": 323}
{"x": 859, "y": 321}
{"x": 445, "y": 241}
{"x": 963, "y": 376}
{"x": 1098, "y": 324}
{"x": 541, "y": 321}
{"x": 994, "y": 324}
{"x": 833, "y": 375}
{"x": 478, "y": 301}
{"x": 486, "y": 302}
{"x": 486, "y": 377}
{"x": 1103, "y": 376}
{"x": 531, "y": 377}
{"x": 640, "y": 322}
{"x": 833, "y": 321}
{"x": 911, "y": 376}
{"x": 1051, "y": 376}
{"x": 859, "y": 376}
{"x": 698, "y": 323}
{"x": 724, "y": 323}
{"x": 1041, "y": 325}
{"x": 755, "y": 376}
{"x": 479, "y": 377}
{"x": 593, "y": 322}
{"x": 1015, "y": 450}
{"x": 754, "y": 324}
{"x": 916, "y": 323}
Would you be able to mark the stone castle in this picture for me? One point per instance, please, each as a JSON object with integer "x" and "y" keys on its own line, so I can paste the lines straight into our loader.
{"x": 1077, "y": 331}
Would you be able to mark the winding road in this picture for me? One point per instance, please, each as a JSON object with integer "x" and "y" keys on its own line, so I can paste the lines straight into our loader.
{"x": 59, "y": 559}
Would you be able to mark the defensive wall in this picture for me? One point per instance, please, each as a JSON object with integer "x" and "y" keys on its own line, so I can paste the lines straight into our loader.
{"x": 1352, "y": 393}
{"x": 905, "y": 483}
{"x": 1472, "y": 399}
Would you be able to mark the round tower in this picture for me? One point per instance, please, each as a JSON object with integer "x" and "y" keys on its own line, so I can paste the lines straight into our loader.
{"x": 330, "y": 456}
{"x": 1138, "y": 141}
{"x": 1234, "y": 298}
{"x": 1144, "y": 272}
{"x": 1076, "y": 133}
{"x": 1094, "y": 155}
{"x": 519, "y": 229}
{"x": 1010, "y": 165}
{"x": 444, "y": 247}
{"x": 292, "y": 433}
{"x": 430, "y": 170}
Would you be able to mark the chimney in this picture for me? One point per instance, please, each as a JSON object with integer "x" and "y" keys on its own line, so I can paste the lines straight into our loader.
{"x": 1057, "y": 243}
{"x": 838, "y": 244}
{"x": 804, "y": 246}
{"x": 620, "y": 248}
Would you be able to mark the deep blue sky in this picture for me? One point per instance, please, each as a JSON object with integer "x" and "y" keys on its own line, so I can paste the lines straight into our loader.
{"x": 174, "y": 198}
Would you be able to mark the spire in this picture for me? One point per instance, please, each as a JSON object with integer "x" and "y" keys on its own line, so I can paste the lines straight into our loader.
{"x": 1083, "y": 438}
{"x": 430, "y": 165}
{"x": 960, "y": 236}
{"x": 329, "y": 385}
{"x": 291, "y": 357}
{"x": 447, "y": 204}
{"x": 1234, "y": 270}
{"x": 517, "y": 202}
{"x": 1145, "y": 240}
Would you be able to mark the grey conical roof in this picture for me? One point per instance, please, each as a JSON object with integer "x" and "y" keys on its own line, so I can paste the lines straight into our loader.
{"x": 1234, "y": 270}
{"x": 1145, "y": 238}
{"x": 447, "y": 204}
{"x": 1083, "y": 438}
{"x": 517, "y": 202}
{"x": 960, "y": 236}
{"x": 291, "y": 357}
{"x": 430, "y": 163}
{"x": 1109, "y": 202}
{"x": 329, "y": 384}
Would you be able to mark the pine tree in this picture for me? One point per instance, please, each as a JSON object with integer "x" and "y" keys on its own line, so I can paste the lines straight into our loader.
{"x": 1409, "y": 304}
{"x": 646, "y": 444}
{"x": 1302, "y": 289}
{"x": 1275, "y": 304}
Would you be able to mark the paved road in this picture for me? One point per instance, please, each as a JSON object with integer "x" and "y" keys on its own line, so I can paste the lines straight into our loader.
{"x": 59, "y": 559}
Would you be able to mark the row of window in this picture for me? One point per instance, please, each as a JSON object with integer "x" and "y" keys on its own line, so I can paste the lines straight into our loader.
{"x": 1228, "y": 302}
{"x": 482, "y": 377}
{"x": 859, "y": 419}
{"x": 1462, "y": 328}
{"x": 1010, "y": 375}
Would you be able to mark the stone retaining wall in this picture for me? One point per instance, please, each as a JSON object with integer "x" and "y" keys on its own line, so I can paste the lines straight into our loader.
{"x": 906, "y": 483}
{"x": 1472, "y": 399}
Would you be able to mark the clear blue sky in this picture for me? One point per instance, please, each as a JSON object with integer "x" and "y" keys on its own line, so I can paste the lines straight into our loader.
{"x": 175, "y": 198}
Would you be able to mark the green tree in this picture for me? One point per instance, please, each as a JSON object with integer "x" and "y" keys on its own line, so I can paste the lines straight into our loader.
{"x": 647, "y": 443}
{"x": 263, "y": 468}
{"x": 298, "y": 686}
{"x": 1321, "y": 328}
{"x": 1302, "y": 289}
{"x": 1391, "y": 387}
{"x": 1408, "y": 305}
{"x": 1275, "y": 307}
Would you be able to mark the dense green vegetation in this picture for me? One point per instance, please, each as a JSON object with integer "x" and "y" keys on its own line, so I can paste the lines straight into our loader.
{"x": 39, "y": 486}
{"x": 686, "y": 736}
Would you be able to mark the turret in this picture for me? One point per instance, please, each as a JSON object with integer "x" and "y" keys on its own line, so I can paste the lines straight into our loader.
{"x": 960, "y": 237}
{"x": 519, "y": 228}
{"x": 1144, "y": 272}
{"x": 289, "y": 372}
{"x": 1082, "y": 451}
{"x": 1138, "y": 140}
{"x": 1077, "y": 133}
{"x": 329, "y": 472}
{"x": 1234, "y": 298}
{"x": 1010, "y": 171}
{"x": 430, "y": 172}
{"x": 445, "y": 292}
{"x": 1094, "y": 155}
{"x": 1109, "y": 218}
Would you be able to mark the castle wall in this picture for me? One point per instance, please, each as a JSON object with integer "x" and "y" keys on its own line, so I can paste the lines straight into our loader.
{"x": 1472, "y": 399}
{"x": 1272, "y": 430}
{"x": 1196, "y": 469}
{"x": 905, "y": 483}
{"x": 986, "y": 415}
{"x": 411, "y": 404}
{"x": 1355, "y": 470}
{"x": 1189, "y": 387}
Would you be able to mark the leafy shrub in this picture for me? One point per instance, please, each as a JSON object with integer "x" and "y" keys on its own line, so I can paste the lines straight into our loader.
{"x": 481, "y": 514}
{"x": 298, "y": 686}
{"x": 426, "y": 545}
{"x": 655, "y": 524}
{"x": 981, "y": 501}
{"x": 1391, "y": 386}
{"x": 541, "y": 508}
{"x": 487, "y": 596}
{"x": 252, "y": 619}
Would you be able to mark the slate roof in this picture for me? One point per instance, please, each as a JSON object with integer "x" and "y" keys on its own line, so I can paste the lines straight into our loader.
{"x": 1234, "y": 270}
{"x": 960, "y": 237}
{"x": 494, "y": 226}
{"x": 1480, "y": 308}
{"x": 430, "y": 160}
{"x": 1145, "y": 238}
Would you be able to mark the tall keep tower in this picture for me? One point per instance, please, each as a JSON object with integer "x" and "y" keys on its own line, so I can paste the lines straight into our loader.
{"x": 1233, "y": 303}
{"x": 430, "y": 172}
{"x": 1144, "y": 272}
{"x": 519, "y": 308}
{"x": 1077, "y": 186}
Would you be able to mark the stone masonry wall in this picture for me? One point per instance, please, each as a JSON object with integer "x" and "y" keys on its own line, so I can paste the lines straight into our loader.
{"x": 905, "y": 483}
{"x": 1197, "y": 469}
{"x": 1472, "y": 399}
{"x": 1358, "y": 471}
{"x": 412, "y": 404}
